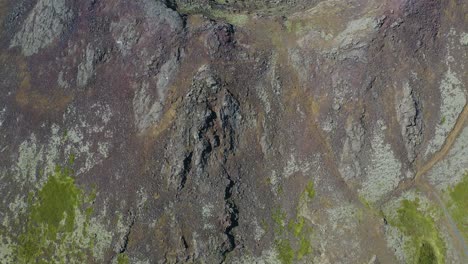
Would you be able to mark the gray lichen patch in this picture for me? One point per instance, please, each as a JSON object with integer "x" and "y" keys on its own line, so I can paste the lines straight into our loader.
{"x": 2, "y": 116}
{"x": 6, "y": 249}
{"x": 30, "y": 154}
{"x": 147, "y": 110}
{"x": 44, "y": 25}
{"x": 157, "y": 10}
{"x": 79, "y": 138}
{"x": 269, "y": 256}
{"x": 86, "y": 67}
{"x": 355, "y": 29}
{"x": 33, "y": 153}
{"x": 147, "y": 105}
{"x": 452, "y": 92}
{"x": 294, "y": 165}
{"x": 409, "y": 116}
{"x": 350, "y": 165}
{"x": 449, "y": 171}
{"x": 464, "y": 39}
{"x": 323, "y": 28}
{"x": 340, "y": 229}
{"x": 383, "y": 173}
{"x": 125, "y": 34}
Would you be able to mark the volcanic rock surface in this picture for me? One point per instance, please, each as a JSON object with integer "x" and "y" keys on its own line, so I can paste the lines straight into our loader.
{"x": 226, "y": 131}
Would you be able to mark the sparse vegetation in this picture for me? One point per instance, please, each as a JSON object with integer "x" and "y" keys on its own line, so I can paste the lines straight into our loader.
{"x": 443, "y": 120}
{"x": 279, "y": 218}
{"x": 293, "y": 236}
{"x": 365, "y": 202}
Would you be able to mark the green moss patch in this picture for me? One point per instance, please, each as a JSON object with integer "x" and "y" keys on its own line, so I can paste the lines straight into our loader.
{"x": 424, "y": 244}
{"x": 459, "y": 205}
{"x": 122, "y": 258}
{"x": 54, "y": 215}
{"x": 57, "y": 202}
{"x": 426, "y": 254}
{"x": 309, "y": 190}
{"x": 285, "y": 251}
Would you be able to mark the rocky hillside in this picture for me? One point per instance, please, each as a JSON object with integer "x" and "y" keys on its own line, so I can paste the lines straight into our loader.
{"x": 229, "y": 131}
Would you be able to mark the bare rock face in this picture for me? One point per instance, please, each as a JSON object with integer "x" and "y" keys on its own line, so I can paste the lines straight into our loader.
{"x": 193, "y": 131}
{"x": 409, "y": 116}
{"x": 351, "y": 165}
{"x": 206, "y": 137}
{"x": 45, "y": 23}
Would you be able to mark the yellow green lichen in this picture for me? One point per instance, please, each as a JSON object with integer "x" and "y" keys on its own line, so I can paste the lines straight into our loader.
{"x": 294, "y": 26}
{"x": 264, "y": 225}
{"x": 52, "y": 215}
{"x": 71, "y": 159}
{"x": 235, "y": 19}
{"x": 459, "y": 205}
{"x": 279, "y": 218}
{"x": 238, "y": 19}
{"x": 306, "y": 196}
{"x": 122, "y": 258}
{"x": 285, "y": 251}
{"x": 424, "y": 244}
{"x": 365, "y": 202}
{"x": 305, "y": 247}
{"x": 309, "y": 190}
{"x": 296, "y": 226}
{"x": 58, "y": 227}
{"x": 293, "y": 240}
{"x": 443, "y": 120}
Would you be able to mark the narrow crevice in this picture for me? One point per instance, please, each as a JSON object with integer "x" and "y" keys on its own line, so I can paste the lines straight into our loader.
{"x": 186, "y": 248}
{"x": 171, "y": 4}
{"x": 185, "y": 171}
{"x": 232, "y": 216}
{"x": 124, "y": 245}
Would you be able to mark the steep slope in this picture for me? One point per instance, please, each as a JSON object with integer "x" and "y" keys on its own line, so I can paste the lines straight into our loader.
{"x": 233, "y": 131}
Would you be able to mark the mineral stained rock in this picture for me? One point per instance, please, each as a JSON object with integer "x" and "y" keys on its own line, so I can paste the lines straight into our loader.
{"x": 225, "y": 131}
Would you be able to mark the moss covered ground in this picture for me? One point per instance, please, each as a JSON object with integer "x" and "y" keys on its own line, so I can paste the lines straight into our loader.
{"x": 55, "y": 212}
{"x": 459, "y": 205}
{"x": 424, "y": 244}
